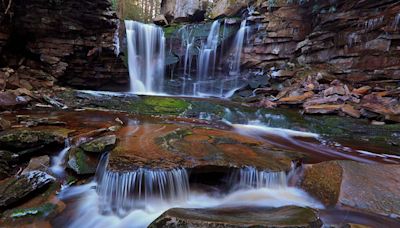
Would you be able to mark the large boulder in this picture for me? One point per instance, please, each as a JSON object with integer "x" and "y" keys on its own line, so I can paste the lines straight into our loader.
{"x": 10, "y": 101}
{"x": 100, "y": 145}
{"x": 184, "y": 11}
{"x": 289, "y": 216}
{"x": 227, "y": 8}
{"x": 16, "y": 189}
{"x": 82, "y": 163}
{"x": 371, "y": 187}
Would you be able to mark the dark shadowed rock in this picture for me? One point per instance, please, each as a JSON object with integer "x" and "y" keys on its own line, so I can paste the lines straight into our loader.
{"x": 82, "y": 163}
{"x": 17, "y": 189}
{"x": 25, "y": 138}
{"x": 289, "y": 216}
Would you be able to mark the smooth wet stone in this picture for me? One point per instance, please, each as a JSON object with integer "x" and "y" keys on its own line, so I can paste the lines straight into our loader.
{"x": 82, "y": 163}
{"x": 100, "y": 145}
{"x": 371, "y": 187}
{"x": 170, "y": 146}
{"x": 25, "y": 138}
{"x": 289, "y": 216}
{"x": 19, "y": 188}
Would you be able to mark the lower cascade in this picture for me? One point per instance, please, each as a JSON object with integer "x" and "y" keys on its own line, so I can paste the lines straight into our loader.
{"x": 250, "y": 177}
{"x": 120, "y": 193}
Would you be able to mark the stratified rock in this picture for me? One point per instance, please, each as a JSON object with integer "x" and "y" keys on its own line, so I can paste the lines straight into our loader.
{"x": 17, "y": 189}
{"x": 25, "y": 138}
{"x": 371, "y": 187}
{"x": 82, "y": 163}
{"x": 184, "y": 11}
{"x": 100, "y": 145}
{"x": 289, "y": 216}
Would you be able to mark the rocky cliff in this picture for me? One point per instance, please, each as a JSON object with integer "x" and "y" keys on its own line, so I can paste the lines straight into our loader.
{"x": 359, "y": 39}
{"x": 72, "y": 41}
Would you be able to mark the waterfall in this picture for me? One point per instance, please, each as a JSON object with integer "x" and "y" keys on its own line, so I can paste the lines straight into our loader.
{"x": 146, "y": 57}
{"x": 116, "y": 40}
{"x": 250, "y": 177}
{"x": 121, "y": 192}
{"x": 57, "y": 167}
{"x": 238, "y": 48}
{"x": 207, "y": 60}
{"x": 396, "y": 22}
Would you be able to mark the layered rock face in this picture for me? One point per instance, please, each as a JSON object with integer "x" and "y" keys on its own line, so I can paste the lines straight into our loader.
{"x": 70, "y": 40}
{"x": 359, "y": 39}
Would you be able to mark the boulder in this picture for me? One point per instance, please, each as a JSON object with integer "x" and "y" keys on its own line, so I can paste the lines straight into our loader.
{"x": 82, "y": 163}
{"x": 184, "y": 11}
{"x": 17, "y": 189}
{"x": 289, "y": 216}
{"x": 100, "y": 145}
{"x": 370, "y": 187}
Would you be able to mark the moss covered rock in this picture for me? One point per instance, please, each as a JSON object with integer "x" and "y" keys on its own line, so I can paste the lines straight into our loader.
{"x": 82, "y": 163}
{"x": 100, "y": 145}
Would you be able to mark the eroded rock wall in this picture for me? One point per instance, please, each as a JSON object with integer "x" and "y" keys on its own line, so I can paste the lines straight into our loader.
{"x": 360, "y": 39}
{"x": 71, "y": 40}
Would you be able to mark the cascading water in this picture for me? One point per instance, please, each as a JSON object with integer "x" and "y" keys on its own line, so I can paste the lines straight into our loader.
{"x": 120, "y": 193}
{"x": 238, "y": 48}
{"x": 250, "y": 177}
{"x": 206, "y": 60}
{"x": 58, "y": 161}
{"x": 146, "y": 57}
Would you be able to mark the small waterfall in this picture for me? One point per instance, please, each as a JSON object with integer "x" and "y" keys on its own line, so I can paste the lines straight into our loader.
{"x": 396, "y": 22}
{"x": 238, "y": 48}
{"x": 116, "y": 40}
{"x": 58, "y": 161}
{"x": 146, "y": 57}
{"x": 250, "y": 177}
{"x": 122, "y": 192}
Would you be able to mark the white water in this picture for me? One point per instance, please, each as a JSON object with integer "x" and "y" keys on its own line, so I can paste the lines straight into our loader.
{"x": 146, "y": 57}
{"x": 238, "y": 48}
{"x": 249, "y": 177}
{"x": 58, "y": 162}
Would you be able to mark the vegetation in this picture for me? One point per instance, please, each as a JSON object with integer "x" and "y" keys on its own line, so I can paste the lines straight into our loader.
{"x": 138, "y": 10}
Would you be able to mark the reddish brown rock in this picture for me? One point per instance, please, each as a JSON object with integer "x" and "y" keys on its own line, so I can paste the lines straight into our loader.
{"x": 370, "y": 187}
{"x": 322, "y": 109}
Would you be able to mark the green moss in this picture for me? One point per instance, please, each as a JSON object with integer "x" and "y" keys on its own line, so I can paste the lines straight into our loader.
{"x": 40, "y": 211}
{"x": 160, "y": 106}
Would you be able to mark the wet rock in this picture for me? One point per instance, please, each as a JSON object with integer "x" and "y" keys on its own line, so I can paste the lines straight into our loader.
{"x": 82, "y": 163}
{"x": 388, "y": 107}
{"x": 174, "y": 146}
{"x": 41, "y": 163}
{"x": 22, "y": 139}
{"x": 100, "y": 145}
{"x": 289, "y": 216}
{"x": 296, "y": 99}
{"x": 351, "y": 111}
{"x": 371, "y": 187}
{"x": 17, "y": 189}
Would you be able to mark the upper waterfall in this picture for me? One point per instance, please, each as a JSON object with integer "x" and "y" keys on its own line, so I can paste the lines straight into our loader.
{"x": 146, "y": 57}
